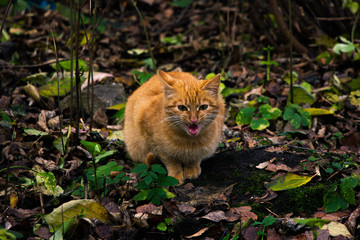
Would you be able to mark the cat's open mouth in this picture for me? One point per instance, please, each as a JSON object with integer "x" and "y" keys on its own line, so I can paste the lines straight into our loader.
{"x": 193, "y": 129}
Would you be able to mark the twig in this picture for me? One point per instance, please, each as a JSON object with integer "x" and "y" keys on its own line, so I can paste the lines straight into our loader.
{"x": 58, "y": 89}
{"x": 34, "y": 65}
{"x": 8, "y": 6}
{"x": 282, "y": 26}
{"x": 291, "y": 54}
{"x": 146, "y": 35}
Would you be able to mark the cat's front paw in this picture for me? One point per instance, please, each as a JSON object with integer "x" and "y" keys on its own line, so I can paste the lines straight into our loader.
{"x": 178, "y": 174}
{"x": 192, "y": 172}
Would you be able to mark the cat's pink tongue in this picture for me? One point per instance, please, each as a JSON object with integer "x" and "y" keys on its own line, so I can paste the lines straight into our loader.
{"x": 193, "y": 129}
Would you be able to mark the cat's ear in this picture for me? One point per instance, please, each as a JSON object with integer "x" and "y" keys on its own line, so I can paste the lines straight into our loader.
{"x": 212, "y": 85}
{"x": 167, "y": 82}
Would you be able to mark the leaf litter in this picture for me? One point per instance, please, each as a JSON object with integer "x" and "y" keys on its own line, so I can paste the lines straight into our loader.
{"x": 226, "y": 195}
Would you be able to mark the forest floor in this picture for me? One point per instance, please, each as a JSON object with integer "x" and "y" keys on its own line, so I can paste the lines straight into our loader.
{"x": 282, "y": 171}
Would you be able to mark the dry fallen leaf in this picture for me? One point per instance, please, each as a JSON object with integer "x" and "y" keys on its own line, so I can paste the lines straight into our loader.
{"x": 337, "y": 229}
{"x": 198, "y": 233}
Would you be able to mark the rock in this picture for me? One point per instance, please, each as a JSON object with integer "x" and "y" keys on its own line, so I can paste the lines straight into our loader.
{"x": 104, "y": 96}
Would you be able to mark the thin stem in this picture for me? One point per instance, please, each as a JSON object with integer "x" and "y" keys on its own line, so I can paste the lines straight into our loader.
{"x": 72, "y": 24}
{"x": 58, "y": 89}
{"x": 354, "y": 27}
{"x": 146, "y": 34}
{"x": 291, "y": 54}
{"x": 8, "y": 6}
{"x": 77, "y": 71}
{"x": 221, "y": 34}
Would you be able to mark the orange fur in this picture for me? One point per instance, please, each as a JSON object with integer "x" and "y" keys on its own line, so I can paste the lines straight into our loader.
{"x": 175, "y": 117}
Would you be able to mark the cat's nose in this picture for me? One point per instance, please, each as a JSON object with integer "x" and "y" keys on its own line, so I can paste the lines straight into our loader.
{"x": 193, "y": 120}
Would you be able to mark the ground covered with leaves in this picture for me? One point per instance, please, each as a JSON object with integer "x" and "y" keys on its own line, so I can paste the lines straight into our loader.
{"x": 288, "y": 164}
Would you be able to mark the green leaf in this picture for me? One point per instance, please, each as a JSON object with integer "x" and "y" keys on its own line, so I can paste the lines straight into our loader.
{"x": 181, "y": 3}
{"x": 312, "y": 222}
{"x": 168, "y": 221}
{"x": 296, "y": 121}
{"x": 355, "y": 84}
{"x": 306, "y": 119}
{"x": 318, "y": 111}
{"x": 165, "y": 181}
{"x": 268, "y": 221}
{"x": 34, "y": 132}
{"x": 51, "y": 88}
{"x": 343, "y": 47}
{"x": 148, "y": 179}
{"x": 269, "y": 113}
{"x": 312, "y": 158}
{"x": 144, "y": 173}
{"x": 158, "y": 168}
{"x": 347, "y": 192}
{"x": 142, "y": 195}
{"x": 66, "y": 65}
{"x": 153, "y": 175}
{"x": 210, "y": 76}
{"x": 149, "y": 63}
{"x": 117, "y": 106}
{"x": 73, "y": 208}
{"x": 334, "y": 203}
{"x": 301, "y": 95}
{"x": 37, "y": 78}
{"x": 288, "y": 181}
{"x": 140, "y": 168}
{"x": 104, "y": 154}
{"x": 142, "y": 185}
{"x": 144, "y": 76}
{"x": 60, "y": 142}
{"x": 354, "y": 7}
{"x": 324, "y": 55}
{"x": 245, "y": 115}
{"x": 161, "y": 226}
{"x": 288, "y": 113}
{"x": 259, "y": 124}
{"x": 174, "y": 40}
{"x": 93, "y": 148}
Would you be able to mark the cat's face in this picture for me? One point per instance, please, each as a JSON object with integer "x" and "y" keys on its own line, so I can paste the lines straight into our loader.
{"x": 191, "y": 106}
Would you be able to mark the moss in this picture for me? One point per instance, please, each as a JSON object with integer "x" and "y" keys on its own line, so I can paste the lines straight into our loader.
{"x": 254, "y": 185}
{"x": 300, "y": 201}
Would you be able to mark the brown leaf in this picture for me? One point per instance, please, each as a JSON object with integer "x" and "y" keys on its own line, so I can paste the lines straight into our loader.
{"x": 215, "y": 216}
{"x": 282, "y": 167}
{"x": 198, "y": 233}
{"x": 147, "y": 208}
{"x": 23, "y": 213}
{"x": 47, "y": 164}
{"x": 186, "y": 209}
{"x": 250, "y": 233}
{"x": 351, "y": 223}
{"x": 273, "y": 235}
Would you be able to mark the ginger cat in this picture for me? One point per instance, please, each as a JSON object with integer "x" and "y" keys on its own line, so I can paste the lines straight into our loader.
{"x": 177, "y": 118}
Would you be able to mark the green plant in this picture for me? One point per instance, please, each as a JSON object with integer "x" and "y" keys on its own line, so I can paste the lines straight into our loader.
{"x": 347, "y": 47}
{"x": 341, "y": 195}
{"x": 268, "y": 62}
{"x": 313, "y": 223}
{"x": 154, "y": 178}
{"x": 165, "y": 225}
{"x": 227, "y": 237}
{"x": 142, "y": 77}
{"x": 266, "y": 222}
{"x": 181, "y": 3}
{"x": 9, "y": 235}
{"x": 109, "y": 173}
{"x": 297, "y": 116}
{"x": 258, "y": 120}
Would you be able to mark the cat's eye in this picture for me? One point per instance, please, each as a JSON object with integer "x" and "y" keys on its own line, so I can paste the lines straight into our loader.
{"x": 203, "y": 107}
{"x": 182, "y": 107}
